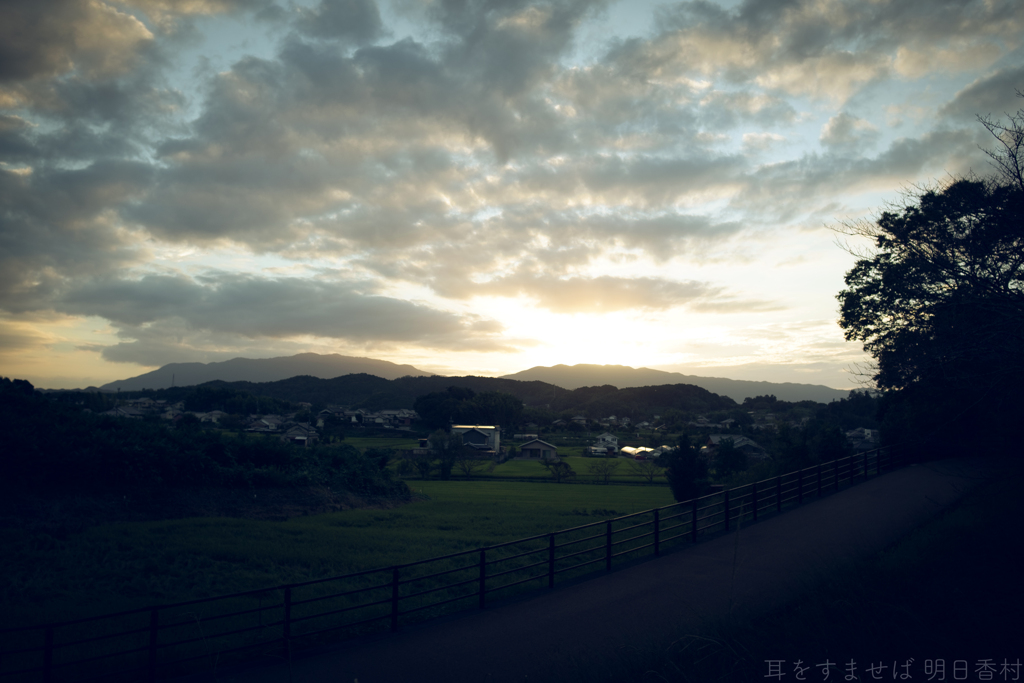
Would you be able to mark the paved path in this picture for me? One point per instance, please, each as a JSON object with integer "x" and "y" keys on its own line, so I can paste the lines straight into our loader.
{"x": 544, "y": 638}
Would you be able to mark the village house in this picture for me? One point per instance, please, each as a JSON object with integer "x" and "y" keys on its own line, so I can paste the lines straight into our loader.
{"x": 302, "y": 434}
{"x": 749, "y": 447}
{"x": 480, "y": 437}
{"x": 539, "y": 449}
{"x": 606, "y": 443}
{"x": 863, "y": 439}
{"x": 125, "y": 411}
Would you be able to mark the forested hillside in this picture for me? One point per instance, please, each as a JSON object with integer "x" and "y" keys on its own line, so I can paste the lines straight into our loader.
{"x": 375, "y": 393}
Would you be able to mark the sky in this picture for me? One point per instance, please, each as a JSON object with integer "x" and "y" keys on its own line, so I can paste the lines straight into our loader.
{"x": 471, "y": 187}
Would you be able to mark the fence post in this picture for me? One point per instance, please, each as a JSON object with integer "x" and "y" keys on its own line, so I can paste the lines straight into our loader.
{"x": 836, "y": 473}
{"x": 608, "y": 546}
{"x": 753, "y": 496}
{"x": 778, "y": 493}
{"x": 483, "y": 577}
{"x": 657, "y": 538}
{"x": 726, "y": 504}
{"x": 551, "y": 560}
{"x": 394, "y": 599}
{"x": 154, "y": 625}
{"x": 693, "y": 525}
{"x": 865, "y": 465}
{"x": 48, "y": 654}
{"x": 288, "y": 623}
{"x": 800, "y": 487}
{"x": 819, "y": 480}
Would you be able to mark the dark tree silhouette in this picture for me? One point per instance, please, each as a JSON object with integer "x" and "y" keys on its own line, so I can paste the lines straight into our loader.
{"x": 939, "y": 302}
{"x": 729, "y": 459}
{"x": 686, "y": 471}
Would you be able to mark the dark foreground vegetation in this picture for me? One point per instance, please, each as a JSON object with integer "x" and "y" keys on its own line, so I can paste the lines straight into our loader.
{"x": 58, "y": 447}
{"x": 938, "y": 301}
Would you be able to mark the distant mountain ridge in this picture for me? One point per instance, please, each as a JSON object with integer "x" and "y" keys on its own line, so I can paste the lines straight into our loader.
{"x": 622, "y": 376}
{"x": 263, "y": 370}
{"x": 567, "y": 377}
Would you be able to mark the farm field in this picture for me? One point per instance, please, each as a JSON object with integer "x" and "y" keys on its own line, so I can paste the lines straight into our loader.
{"x": 133, "y": 564}
{"x": 532, "y": 469}
{"x": 364, "y": 442}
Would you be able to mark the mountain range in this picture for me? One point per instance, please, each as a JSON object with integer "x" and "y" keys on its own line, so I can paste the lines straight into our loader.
{"x": 564, "y": 376}
{"x": 262, "y": 370}
{"x": 623, "y": 376}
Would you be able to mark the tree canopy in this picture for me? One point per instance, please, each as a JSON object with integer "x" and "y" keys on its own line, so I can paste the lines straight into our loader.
{"x": 939, "y": 302}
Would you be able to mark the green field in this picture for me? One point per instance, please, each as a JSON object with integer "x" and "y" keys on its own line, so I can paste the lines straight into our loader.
{"x": 126, "y": 565}
{"x": 397, "y": 443}
{"x": 532, "y": 469}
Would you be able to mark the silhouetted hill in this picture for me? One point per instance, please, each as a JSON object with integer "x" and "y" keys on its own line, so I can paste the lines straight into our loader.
{"x": 262, "y": 370}
{"x": 623, "y": 376}
{"x": 374, "y": 393}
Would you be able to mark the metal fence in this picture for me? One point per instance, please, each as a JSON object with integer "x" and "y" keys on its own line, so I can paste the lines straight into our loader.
{"x": 185, "y": 637}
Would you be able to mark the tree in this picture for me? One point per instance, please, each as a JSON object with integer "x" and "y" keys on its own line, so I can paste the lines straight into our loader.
{"x": 424, "y": 465}
{"x": 939, "y": 301}
{"x": 602, "y": 469}
{"x": 686, "y": 471}
{"x": 381, "y": 456}
{"x": 497, "y": 408}
{"x": 447, "y": 448}
{"x": 729, "y": 459}
{"x": 469, "y": 463}
{"x": 438, "y": 408}
{"x": 560, "y": 470}
{"x": 647, "y": 469}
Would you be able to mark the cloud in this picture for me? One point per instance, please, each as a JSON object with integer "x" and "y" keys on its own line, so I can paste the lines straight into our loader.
{"x": 760, "y": 142}
{"x": 355, "y": 21}
{"x": 846, "y": 133}
{"x": 781, "y": 191}
{"x": 255, "y": 307}
{"x": 57, "y": 224}
{"x": 603, "y": 294}
{"x": 609, "y": 294}
{"x": 824, "y": 49}
{"x": 728, "y": 109}
{"x": 993, "y": 94}
{"x": 16, "y": 338}
{"x": 52, "y": 38}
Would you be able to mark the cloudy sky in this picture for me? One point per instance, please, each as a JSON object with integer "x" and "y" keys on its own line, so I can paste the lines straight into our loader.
{"x": 470, "y": 186}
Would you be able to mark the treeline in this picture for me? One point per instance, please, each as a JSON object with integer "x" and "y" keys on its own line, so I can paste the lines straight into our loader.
{"x": 375, "y": 393}
{"x": 806, "y": 433}
{"x": 52, "y": 445}
{"x": 202, "y": 399}
{"x": 638, "y": 403}
{"x": 459, "y": 405}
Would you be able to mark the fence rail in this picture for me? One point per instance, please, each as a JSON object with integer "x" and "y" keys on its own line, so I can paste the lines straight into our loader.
{"x": 183, "y": 637}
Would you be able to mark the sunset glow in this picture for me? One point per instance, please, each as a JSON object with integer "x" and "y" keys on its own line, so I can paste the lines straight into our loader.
{"x": 471, "y": 191}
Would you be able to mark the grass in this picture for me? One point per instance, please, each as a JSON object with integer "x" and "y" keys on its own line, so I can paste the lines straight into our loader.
{"x": 532, "y": 469}
{"x": 133, "y": 564}
{"x": 364, "y": 442}
{"x": 951, "y": 591}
